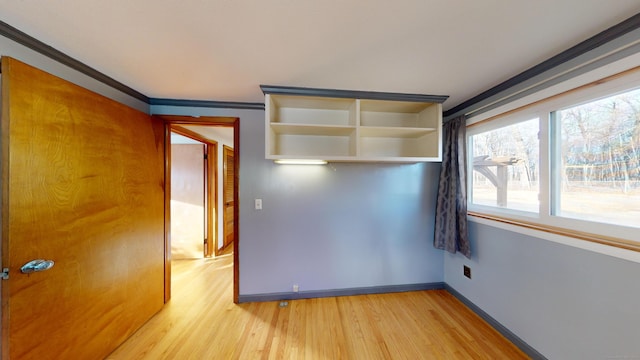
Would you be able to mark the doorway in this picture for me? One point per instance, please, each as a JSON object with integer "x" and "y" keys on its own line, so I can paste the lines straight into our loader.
{"x": 201, "y": 129}
{"x": 193, "y": 179}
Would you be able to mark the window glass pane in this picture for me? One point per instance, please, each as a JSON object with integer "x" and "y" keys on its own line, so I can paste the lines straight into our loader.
{"x": 506, "y": 167}
{"x": 598, "y": 160}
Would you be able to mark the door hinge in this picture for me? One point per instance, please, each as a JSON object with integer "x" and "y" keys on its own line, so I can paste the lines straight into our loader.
{"x": 5, "y": 274}
{"x": 206, "y": 156}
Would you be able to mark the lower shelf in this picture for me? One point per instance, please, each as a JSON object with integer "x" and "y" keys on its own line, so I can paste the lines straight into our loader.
{"x": 408, "y": 145}
{"x": 294, "y": 146}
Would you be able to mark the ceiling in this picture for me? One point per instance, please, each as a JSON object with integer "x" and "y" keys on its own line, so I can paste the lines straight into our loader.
{"x": 222, "y": 50}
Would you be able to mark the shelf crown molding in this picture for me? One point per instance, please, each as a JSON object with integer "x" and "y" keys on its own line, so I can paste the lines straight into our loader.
{"x": 351, "y": 94}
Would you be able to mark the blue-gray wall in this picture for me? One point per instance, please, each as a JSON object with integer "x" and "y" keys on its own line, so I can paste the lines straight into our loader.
{"x": 566, "y": 302}
{"x": 338, "y": 226}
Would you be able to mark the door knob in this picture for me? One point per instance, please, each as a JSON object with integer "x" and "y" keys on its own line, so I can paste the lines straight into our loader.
{"x": 36, "y": 266}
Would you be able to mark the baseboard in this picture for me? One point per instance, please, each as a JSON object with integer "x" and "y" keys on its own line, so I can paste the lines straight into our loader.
{"x": 340, "y": 292}
{"x": 526, "y": 348}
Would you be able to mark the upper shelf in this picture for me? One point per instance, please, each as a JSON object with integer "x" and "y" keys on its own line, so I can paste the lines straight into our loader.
{"x": 394, "y": 132}
{"x": 307, "y": 129}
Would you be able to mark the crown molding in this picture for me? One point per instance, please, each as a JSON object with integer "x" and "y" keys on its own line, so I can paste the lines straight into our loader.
{"x": 497, "y": 92}
{"x": 207, "y": 104}
{"x": 32, "y": 43}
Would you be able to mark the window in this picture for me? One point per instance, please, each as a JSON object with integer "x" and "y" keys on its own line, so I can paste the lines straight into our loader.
{"x": 571, "y": 162}
{"x": 597, "y": 159}
{"x": 505, "y": 167}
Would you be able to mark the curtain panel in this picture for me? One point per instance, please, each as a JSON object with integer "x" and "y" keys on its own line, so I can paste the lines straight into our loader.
{"x": 451, "y": 206}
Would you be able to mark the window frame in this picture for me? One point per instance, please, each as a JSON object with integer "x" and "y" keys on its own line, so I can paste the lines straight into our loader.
{"x": 609, "y": 234}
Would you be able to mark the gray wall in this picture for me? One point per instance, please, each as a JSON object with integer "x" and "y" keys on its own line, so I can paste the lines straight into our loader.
{"x": 567, "y": 303}
{"x": 338, "y": 226}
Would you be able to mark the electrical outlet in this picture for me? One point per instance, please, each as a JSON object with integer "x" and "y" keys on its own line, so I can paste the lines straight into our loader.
{"x": 466, "y": 271}
{"x": 295, "y": 288}
{"x": 258, "y": 204}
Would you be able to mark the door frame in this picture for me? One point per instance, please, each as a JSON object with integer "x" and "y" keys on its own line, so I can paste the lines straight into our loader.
{"x": 210, "y": 182}
{"x": 225, "y": 150}
{"x": 234, "y": 122}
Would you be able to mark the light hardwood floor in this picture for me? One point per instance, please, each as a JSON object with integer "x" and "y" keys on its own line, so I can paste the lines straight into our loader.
{"x": 201, "y": 322}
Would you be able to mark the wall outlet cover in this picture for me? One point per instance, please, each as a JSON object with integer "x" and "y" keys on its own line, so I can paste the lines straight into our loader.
{"x": 466, "y": 271}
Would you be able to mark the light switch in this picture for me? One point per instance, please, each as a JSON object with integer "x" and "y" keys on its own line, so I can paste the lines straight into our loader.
{"x": 258, "y": 204}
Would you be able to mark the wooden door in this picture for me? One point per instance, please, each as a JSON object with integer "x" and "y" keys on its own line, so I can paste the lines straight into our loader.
{"x": 229, "y": 190}
{"x": 82, "y": 185}
{"x": 188, "y": 211}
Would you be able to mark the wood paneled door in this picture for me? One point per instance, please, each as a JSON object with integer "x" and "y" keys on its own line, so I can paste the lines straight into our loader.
{"x": 229, "y": 198}
{"x": 83, "y": 186}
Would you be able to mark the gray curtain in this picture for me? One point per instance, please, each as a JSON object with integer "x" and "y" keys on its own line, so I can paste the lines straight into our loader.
{"x": 451, "y": 209}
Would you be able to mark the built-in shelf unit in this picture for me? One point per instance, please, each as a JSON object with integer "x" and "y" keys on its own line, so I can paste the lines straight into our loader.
{"x": 352, "y": 126}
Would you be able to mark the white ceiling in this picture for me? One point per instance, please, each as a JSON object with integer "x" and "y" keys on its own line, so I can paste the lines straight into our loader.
{"x": 224, "y": 49}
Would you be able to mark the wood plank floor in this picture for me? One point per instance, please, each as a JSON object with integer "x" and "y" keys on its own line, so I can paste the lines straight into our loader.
{"x": 201, "y": 322}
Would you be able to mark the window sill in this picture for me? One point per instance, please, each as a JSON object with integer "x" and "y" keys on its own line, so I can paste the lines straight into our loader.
{"x": 602, "y": 244}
